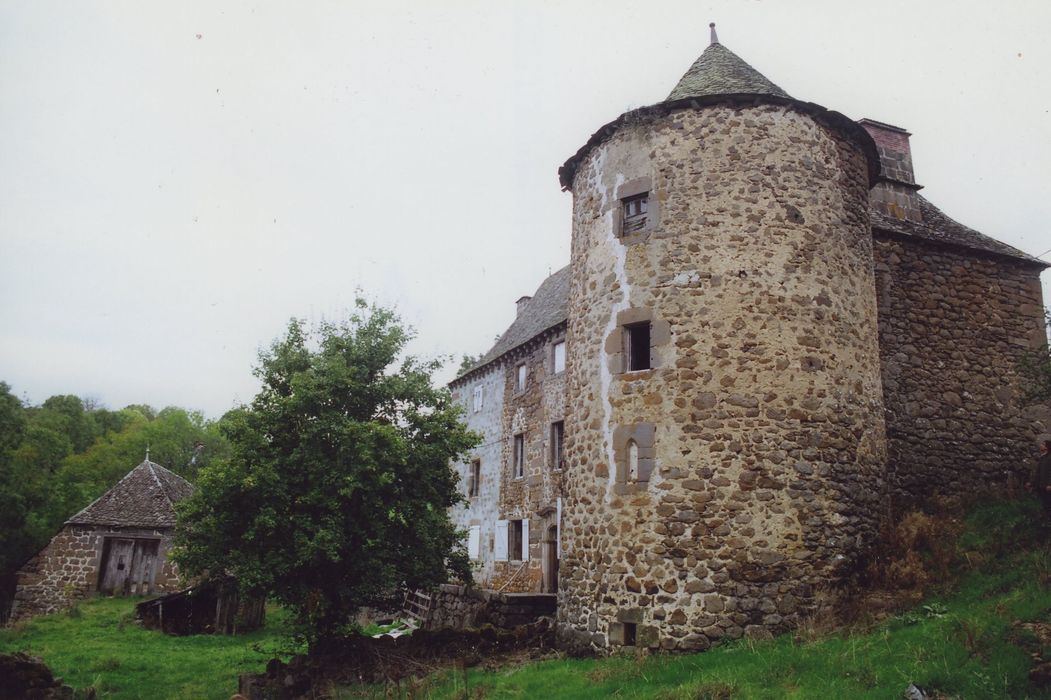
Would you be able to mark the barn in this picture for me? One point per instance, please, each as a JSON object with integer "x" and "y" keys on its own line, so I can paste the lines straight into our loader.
{"x": 117, "y": 545}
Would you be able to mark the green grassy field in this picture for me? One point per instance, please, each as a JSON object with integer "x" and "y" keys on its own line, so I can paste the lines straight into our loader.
{"x": 99, "y": 645}
{"x": 966, "y": 642}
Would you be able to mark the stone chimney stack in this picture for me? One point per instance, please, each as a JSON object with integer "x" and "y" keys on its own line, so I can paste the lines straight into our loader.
{"x": 522, "y": 304}
{"x": 895, "y": 193}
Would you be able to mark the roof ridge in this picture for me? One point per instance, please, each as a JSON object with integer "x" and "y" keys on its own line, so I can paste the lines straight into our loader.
{"x": 105, "y": 493}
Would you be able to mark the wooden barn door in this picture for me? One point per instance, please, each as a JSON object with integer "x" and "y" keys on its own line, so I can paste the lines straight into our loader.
{"x": 116, "y": 564}
{"x": 127, "y": 566}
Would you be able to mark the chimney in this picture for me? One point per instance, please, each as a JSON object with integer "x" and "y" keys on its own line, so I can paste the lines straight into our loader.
{"x": 522, "y": 304}
{"x": 895, "y": 192}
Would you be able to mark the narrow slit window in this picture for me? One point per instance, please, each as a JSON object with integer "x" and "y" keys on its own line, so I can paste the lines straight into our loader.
{"x": 514, "y": 543}
{"x": 633, "y": 461}
{"x": 474, "y": 483}
{"x": 519, "y": 456}
{"x": 634, "y": 214}
{"x": 558, "y": 431}
{"x": 637, "y": 350}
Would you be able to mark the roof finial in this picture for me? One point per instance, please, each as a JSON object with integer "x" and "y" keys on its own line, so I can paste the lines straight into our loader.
{"x": 715, "y": 37}
{"x": 147, "y": 452}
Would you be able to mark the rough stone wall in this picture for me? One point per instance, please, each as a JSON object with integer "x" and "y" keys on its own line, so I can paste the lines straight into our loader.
{"x": 953, "y": 327}
{"x": 67, "y": 570}
{"x": 459, "y": 607}
{"x": 535, "y": 495}
{"x": 483, "y": 509}
{"x": 769, "y": 439}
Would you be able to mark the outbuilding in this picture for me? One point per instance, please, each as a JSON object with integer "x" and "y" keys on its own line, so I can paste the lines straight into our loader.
{"x": 118, "y": 545}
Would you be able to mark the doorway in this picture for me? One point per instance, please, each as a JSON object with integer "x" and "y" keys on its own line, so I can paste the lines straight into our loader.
{"x": 550, "y": 560}
{"x": 127, "y": 566}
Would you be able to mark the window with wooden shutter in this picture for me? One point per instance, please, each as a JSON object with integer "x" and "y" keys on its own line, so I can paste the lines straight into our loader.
{"x": 558, "y": 357}
{"x": 500, "y": 541}
{"x": 521, "y": 374}
{"x": 474, "y": 541}
{"x": 634, "y": 213}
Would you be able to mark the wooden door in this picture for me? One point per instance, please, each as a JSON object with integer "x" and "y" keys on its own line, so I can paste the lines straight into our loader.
{"x": 141, "y": 578}
{"x": 117, "y": 553}
{"x": 550, "y": 561}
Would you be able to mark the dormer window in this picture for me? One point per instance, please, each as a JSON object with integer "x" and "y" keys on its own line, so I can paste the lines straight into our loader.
{"x": 634, "y": 214}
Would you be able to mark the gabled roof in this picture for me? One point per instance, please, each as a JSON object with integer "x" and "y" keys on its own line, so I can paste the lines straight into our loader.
{"x": 719, "y": 71}
{"x": 547, "y": 309}
{"x": 939, "y": 227}
{"x": 145, "y": 497}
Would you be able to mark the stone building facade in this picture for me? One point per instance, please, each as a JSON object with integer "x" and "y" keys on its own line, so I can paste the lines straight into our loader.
{"x": 771, "y": 339}
{"x": 118, "y": 545}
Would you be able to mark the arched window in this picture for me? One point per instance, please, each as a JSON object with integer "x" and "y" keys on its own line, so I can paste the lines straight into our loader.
{"x": 633, "y": 461}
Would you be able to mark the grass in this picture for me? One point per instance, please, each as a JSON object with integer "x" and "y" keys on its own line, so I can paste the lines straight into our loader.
{"x": 98, "y": 644}
{"x": 962, "y": 642}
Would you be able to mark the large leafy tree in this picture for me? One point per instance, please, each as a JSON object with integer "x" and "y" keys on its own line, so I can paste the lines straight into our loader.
{"x": 339, "y": 484}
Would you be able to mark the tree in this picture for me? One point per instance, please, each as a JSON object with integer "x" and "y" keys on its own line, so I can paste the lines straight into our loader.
{"x": 338, "y": 487}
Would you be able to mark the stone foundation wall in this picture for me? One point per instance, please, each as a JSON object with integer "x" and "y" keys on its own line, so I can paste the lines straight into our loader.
{"x": 755, "y": 272}
{"x": 953, "y": 328}
{"x": 460, "y": 607}
{"x": 67, "y": 570}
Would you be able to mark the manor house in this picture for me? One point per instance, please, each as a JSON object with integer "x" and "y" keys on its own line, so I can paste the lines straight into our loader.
{"x": 766, "y": 339}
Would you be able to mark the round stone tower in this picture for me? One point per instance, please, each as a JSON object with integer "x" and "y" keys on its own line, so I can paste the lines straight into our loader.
{"x": 725, "y": 437}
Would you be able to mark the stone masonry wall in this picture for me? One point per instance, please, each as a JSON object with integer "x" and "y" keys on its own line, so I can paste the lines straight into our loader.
{"x": 953, "y": 327}
{"x": 482, "y": 510}
{"x": 66, "y": 570}
{"x": 765, "y": 397}
{"x": 534, "y": 495}
{"x": 460, "y": 607}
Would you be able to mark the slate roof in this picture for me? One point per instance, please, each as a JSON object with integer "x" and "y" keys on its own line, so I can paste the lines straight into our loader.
{"x": 547, "y": 309}
{"x": 719, "y": 71}
{"x": 145, "y": 497}
{"x": 937, "y": 226}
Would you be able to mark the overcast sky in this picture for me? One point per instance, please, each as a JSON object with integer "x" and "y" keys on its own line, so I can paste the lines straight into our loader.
{"x": 178, "y": 179}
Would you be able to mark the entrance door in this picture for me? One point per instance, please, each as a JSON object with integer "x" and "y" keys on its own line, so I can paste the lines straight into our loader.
{"x": 127, "y": 566}
{"x": 551, "y": 560}
{"x": 116, "y": 564}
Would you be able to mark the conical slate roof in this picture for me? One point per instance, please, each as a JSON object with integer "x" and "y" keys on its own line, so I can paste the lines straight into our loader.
{"x": 719, "y": 71}
{"x": 145, "y": 497}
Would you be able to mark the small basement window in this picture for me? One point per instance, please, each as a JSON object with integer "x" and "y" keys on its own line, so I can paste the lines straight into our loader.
{"x": 634, "y": 213}
{"x": 558, "y": 357}
{"x": 519, "y": 455}
{"x": 637, "y": 347}
{"x": 558, "y": 431}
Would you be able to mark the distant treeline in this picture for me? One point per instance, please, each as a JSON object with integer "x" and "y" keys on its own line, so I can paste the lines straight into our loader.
{"x": 58, "y": 457}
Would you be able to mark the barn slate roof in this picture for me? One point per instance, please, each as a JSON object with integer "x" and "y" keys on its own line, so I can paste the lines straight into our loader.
{"x": 719, "y": 71}
{"x": 548, "y": 308}
{"x": 145, "y": 497}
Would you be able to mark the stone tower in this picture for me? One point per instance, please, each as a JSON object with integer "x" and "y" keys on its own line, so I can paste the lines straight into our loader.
{"x": 725, "y": 438}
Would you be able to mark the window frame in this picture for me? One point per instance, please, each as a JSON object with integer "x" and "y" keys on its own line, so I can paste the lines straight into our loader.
{"x": 631, "y": 345}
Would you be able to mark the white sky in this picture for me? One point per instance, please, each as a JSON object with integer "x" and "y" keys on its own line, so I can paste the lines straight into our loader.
{"x": 178, "y": 179}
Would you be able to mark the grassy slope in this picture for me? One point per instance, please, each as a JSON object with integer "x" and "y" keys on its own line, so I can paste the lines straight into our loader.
{"x": 962, "y": 644}
{"x": 100, "y": 645}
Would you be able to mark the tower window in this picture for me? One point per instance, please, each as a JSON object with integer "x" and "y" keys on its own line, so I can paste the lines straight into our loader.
{"x": 637, "y": 346}
{"x": 634, "y": 213}
{"x": 558, "y": 431}
{"x": 519, "y": 456}
{"x": 520, "y": 377}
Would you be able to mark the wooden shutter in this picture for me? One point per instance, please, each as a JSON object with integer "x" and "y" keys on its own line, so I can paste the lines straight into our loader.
{"x": 474, "y": 539}
{"x": 525, "y": 539}
{"x": 500, "y": 541}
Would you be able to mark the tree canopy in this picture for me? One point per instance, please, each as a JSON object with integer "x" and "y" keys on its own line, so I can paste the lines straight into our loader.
{"x": 337, "y": 490}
